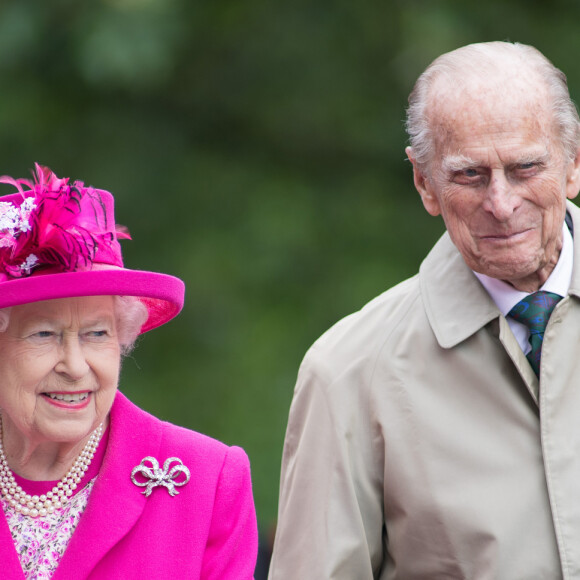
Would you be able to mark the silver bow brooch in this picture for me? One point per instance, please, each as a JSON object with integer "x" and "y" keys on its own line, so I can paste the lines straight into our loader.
{"x": 157, "y": 476}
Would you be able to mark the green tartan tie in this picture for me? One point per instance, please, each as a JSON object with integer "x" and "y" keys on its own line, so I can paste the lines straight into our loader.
{"x": 534, "y": 311}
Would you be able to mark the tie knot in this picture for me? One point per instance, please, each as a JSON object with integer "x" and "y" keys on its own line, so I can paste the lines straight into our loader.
{"x": 535, "y": 310}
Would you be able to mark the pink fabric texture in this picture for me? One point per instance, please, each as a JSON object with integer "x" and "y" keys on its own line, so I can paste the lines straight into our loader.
{"x": 59, "y": 240}
{"x": 161, "y": 293}
{"x": 206, "y": 532}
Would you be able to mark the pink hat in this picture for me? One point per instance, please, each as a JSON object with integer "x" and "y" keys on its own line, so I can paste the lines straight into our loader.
{"x": 60, "y": 241}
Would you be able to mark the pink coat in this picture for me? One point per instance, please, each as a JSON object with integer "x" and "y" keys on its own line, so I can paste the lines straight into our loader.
{"x": 208, "y": 531}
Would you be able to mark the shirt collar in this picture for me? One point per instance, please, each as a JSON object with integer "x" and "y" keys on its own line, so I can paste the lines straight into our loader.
{"x": 506, "y": 296}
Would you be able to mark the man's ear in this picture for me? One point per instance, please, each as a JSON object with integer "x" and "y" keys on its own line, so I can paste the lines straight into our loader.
{"x": 424, "y": 187}
{"x": 573, "y": 177}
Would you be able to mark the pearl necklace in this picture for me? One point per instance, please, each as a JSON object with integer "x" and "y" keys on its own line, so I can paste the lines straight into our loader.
{"x": 34, "y": 505}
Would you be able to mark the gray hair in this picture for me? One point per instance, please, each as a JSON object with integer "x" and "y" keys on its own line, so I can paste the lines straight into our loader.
{"x": 130, "y": 313}
{"x": 490, "y": 57}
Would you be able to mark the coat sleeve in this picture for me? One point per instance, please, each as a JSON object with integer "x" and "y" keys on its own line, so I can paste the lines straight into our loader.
{"x": 330, "y": 517}
{"x": 232, "y": 545}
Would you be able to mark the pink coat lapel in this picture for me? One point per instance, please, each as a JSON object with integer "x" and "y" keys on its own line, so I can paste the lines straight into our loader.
{"x": 127, "y": 447}
{"x": 11, "y": 568}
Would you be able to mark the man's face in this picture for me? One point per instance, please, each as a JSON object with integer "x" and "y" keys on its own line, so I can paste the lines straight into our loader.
{"x": 499, "y": 178}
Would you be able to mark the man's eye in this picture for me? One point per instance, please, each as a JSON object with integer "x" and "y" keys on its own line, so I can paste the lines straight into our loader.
{"x": 468, "y": 176}
{"x": 528, "y": 169}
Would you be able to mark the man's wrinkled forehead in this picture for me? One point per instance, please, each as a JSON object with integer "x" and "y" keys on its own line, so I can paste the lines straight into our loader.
{"x": 476, "y": 107}
{"x": 457, "y": 94}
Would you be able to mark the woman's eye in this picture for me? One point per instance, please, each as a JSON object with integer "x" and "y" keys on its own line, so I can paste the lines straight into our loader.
{"x": 40, "y": 336}
{"x": 43, "y": 334}
{"x": 97, "y": 333}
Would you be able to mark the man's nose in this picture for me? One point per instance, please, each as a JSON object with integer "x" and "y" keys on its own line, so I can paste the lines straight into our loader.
{"x": 501, "y": 198}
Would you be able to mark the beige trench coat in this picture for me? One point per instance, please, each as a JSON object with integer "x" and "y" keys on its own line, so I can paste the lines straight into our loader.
{"x": 420, "y": 445}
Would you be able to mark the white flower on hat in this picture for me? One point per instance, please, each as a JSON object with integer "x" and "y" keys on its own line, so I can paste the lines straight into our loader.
{"x": 29, "y": 264}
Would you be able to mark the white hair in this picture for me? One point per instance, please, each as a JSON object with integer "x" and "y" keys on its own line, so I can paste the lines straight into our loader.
{"x": 130, "y": 314}
{"x": 481, "y": 60}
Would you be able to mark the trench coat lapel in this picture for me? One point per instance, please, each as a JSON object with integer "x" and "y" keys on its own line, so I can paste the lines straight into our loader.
{"x": 455, "y": 315}
{"x": 115, "y": 503}
{"x": 574, "y": 213}
{"x": 457, "y": 305}
{"x": 454, "y": 320}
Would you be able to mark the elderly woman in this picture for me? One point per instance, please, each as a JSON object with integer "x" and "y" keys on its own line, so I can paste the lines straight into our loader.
{"x": 90, "y": 485}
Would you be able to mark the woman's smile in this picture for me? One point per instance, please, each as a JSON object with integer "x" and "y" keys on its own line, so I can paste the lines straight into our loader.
{"x": 69, "y": 400}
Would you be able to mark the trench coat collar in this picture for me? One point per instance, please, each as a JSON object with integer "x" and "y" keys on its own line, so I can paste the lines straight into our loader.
{"x": 456, "y": 303}
{"x": 574, "y": 213}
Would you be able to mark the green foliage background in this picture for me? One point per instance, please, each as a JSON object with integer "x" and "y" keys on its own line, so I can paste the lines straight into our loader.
{"x": 256, "y": 150}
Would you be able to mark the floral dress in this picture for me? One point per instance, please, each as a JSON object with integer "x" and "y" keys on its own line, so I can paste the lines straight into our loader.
{"x": 41, "y": 542}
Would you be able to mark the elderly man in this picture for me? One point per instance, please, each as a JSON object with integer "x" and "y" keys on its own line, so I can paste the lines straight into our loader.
{"x": 427, "y": 439}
